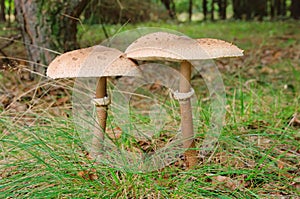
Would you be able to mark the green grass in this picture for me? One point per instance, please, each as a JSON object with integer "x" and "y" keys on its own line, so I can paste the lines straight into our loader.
{"x": 257, "y": 155}
{"x": 245, "y": 34}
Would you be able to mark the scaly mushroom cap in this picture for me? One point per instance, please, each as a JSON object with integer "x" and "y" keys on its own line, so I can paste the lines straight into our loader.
{"x": 216, "y": 48}
{"x": 167, "y": 46}
{"x": 95, "y": 61}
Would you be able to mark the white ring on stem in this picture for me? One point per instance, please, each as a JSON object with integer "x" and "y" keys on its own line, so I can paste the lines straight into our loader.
{"x": 183, "y": 96}
{"x": 101, "y": 101}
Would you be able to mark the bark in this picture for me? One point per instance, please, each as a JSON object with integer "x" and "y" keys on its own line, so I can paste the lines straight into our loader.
{"x": 295, "y": 9}
{"x": 259, "y": 9}
{"x": 242, "y": 9}
{"x": 237, "y": 11}
{"x": 35, "y": 36}
{"x": 170, "y": 6}
{"x": 190, "y": 9}
{"x": 284, "y": 8}
{"x": 272, "y": 9}
{"x": 2, "y": 11}
{"x": 222, "y": 4}
{"x": 280, "y": 6}
{"x": 46, "y": 26}
{"x": 277, "y": 8}
{"x": 204, "y": 5}
{"x": 9, "y": 12}
{"x": 69, "y": 24}
{"x": 212, "y": 10}
{"x": 248, "y": 8}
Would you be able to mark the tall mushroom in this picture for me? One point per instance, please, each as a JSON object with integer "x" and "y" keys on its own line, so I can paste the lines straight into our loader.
{"x": 170, "y": 47}
{"x": 96, "y": 61}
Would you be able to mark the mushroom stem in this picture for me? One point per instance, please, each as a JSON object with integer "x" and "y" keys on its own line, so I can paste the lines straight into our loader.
{"x": 102, "y": 115}
{"x": 186, "y": 114}
{"x": 102, "y": 111}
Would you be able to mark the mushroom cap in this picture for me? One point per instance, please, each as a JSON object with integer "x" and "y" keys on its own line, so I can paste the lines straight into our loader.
{"x": 170, "y": 47}
{"x": 217, "y": 48}
{"x": 95, "y": 61}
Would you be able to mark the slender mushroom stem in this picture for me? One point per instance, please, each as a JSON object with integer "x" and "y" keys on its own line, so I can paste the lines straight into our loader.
{"x": 102, "y": 116}
{"x": 186, "y": 114}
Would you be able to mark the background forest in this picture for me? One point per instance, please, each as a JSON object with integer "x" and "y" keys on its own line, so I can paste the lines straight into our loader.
{"x": 53, "y": 24}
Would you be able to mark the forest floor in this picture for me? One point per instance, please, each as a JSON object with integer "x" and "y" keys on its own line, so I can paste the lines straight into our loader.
{"x": 258, "y": 151}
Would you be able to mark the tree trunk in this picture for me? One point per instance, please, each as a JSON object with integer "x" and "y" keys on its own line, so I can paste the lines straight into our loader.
{"x": 204, "y": 5}
{"x": 46, "y": 26}
{"x": 170, "y": 6}
{"x": 9, "y": 12}
{"x": 2, "y": 11}
{"x": 35, "y": 35}
{"x": 222, "y": 4}
{"x": 237, "y": 10}
{"x": 248, "y": 8}
{"x": 283, "y": 8}
{"x": 243, "y": 9}
{"x": 259, "y": 8}
{"x": 278, "y": 7}
{"x": 272, "y": 9}
{"x": 68, "y": 23}
{"x": 190, "y": 10}
{"x": 212, "y": 10}
{"x": 295, "y": 9}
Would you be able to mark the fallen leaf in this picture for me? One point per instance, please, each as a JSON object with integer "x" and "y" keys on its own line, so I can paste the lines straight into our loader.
{"x": 277, "y": 54}
{"x": 226, "y": 181}
{"x": 81, "y": 173}
{"x": 88, "y": 174}
{"x": 93, "y": 175}
{"x": 62, "y": 100}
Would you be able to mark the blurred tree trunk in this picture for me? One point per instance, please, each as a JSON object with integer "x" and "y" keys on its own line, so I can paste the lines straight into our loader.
{"x": 259, "y": 9}
{"x": 9, "y": 11}
{"x": 248, "y": 8}
{"x": 244, "y": 8}
{"x": 2, "y": 11}
{"x": 283, "y": 8}
{"x": 237, "y": 9}
{"x": 222, "y": 4}
{"x": 204, "y": 5}
{"x": 272, "y": 9}
{"x": 190, "y": 10}
{"x": 212, "y": 10}
{"x": 46, "y": 26}
{"x": 295, "y": 9}
{"x": 170, "y": 6}
{"x": 277, "y": 8}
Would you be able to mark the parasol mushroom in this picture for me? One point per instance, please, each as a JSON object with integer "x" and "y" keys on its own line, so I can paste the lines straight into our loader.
{"x": 96, "y": 61}
{"x": 170, "y": 47}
